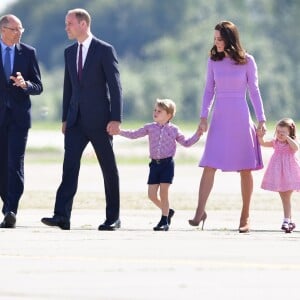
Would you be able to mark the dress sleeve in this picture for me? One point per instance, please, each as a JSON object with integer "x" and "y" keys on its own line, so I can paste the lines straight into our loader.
{"x": 209, "y": 91}
{"x": 253, "y": 88}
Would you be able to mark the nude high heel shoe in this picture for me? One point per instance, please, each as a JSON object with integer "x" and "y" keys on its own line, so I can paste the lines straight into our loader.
{"x": 195, "y": 223}
{"x": 244, "y": 225}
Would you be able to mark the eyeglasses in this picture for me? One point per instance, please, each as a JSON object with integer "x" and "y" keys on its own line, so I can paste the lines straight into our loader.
{"x": 15, "y": 30}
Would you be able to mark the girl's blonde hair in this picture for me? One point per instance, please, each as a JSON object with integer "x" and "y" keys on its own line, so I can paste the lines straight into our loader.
{"x": 290, "y": 124}
{"x": 168, "y": 105}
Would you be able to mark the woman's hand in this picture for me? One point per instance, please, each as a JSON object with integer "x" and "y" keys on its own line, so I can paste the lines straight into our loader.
{"x": 203, "y": 125}
{"x": 261, "y": 128}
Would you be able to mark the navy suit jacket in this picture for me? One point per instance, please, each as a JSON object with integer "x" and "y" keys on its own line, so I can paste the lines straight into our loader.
{"x": 25, "y": 61}
{"x": 98, "y": 95}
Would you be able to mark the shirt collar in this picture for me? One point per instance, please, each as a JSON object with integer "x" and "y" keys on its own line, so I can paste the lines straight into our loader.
{"x": 163, "y": 125}
{"x": 86, "y": 43}
{"x": 4, "y": 46}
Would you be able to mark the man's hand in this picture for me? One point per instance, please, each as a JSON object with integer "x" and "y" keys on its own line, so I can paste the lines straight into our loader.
{"x": 63, "y": 127}
{"x": 19, "y": 80}
{"x": 113, "y": 127}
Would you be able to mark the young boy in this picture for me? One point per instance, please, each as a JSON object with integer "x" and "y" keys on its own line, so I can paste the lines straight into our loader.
{"x": 162, "y": 135}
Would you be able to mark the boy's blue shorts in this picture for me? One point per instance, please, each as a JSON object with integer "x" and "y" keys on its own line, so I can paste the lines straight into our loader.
{"x": 161, "y": 171}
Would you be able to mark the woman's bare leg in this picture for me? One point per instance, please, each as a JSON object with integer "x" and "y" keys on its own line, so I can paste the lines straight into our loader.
{"x": 246, "y": 190}
{"x": 205, "y": 187}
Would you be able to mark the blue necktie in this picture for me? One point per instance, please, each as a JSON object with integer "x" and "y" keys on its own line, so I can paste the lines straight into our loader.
{"x": 7, "y": 63}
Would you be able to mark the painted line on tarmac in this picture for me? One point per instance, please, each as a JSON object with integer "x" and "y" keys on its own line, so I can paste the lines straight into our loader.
{"x": 154, "y": 263}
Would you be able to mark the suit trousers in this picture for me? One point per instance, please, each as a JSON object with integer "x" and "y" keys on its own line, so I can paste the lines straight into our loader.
{"x": 76, "y": 139}
{"x": 13, "y": 140}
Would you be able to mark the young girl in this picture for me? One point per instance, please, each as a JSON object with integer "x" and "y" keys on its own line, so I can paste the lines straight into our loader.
{"x": 283, "y": 172}
{"x": 162, "y": 135}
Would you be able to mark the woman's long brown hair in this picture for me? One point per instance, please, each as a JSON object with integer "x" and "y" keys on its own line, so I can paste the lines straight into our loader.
{"x": 233, "y": 47}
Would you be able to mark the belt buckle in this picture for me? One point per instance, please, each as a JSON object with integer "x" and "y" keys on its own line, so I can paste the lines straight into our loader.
{"x": 158, "y": 161}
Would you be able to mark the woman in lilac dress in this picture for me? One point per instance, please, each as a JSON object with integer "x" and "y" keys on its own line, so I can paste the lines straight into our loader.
{"x": 231, "y": 143}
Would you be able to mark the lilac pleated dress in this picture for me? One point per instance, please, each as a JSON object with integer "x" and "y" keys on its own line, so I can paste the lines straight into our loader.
{"x": 231, "y": 143}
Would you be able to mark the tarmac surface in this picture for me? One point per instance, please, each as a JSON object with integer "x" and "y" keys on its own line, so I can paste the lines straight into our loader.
{"x": 136, "y": 263}
{"x": 40, "y": 262}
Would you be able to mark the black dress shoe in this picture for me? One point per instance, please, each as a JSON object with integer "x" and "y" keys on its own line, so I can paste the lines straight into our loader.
{"x": 110, "y": 226}
{"x": 57, "y": 221}
{"x": 9, "y": 220}
{"x": 161, "y": 227}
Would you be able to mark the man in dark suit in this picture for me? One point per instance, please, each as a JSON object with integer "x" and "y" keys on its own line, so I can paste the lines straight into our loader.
{"x": 19, "y": 78}
{"x": 92, "y": 112}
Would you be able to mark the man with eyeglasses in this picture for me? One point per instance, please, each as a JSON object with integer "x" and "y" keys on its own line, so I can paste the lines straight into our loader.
{"x": 19, "y": 79}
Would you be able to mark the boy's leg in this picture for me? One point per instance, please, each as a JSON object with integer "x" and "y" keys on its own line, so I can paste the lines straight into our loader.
{"x": 153, "y": 194}
{"x": 164, "y": 196}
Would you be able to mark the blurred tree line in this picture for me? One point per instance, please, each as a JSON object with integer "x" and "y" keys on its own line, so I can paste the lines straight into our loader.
{"x": 163, "y": 48}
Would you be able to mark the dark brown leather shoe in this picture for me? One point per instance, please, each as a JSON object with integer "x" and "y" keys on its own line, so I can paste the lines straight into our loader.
{"x": 57, "y": 221}
{"x": 9, "y": 220}
{"x": 108, "y": 226}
